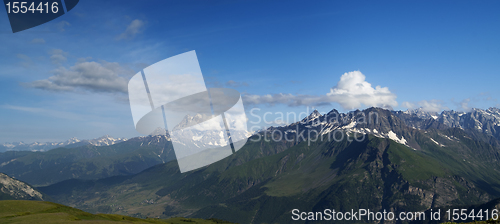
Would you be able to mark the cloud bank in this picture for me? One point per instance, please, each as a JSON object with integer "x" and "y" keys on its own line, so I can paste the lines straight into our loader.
{"x": 58, "y": 56}
{"x": 90, "y": 76}
{"x": 352, "y": 91}
{"x": 427, "y": 106}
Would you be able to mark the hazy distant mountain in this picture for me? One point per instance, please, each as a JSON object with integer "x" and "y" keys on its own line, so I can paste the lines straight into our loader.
{"x": 87, "y": 161}
{"x": 395, "y": 166}
{"x": 36, "y": 146}
{"x": 477, "y": 120}
{"x": 71, "y": 143}
{"x": 12, "y": 189}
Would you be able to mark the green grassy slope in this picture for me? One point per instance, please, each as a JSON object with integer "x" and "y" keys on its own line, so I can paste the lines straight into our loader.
{"x": 372, "y": 174}
{"x": 47, "y": 212}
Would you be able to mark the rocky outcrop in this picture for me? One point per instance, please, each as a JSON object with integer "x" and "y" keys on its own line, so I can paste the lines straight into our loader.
{"x": 11, "y": 188}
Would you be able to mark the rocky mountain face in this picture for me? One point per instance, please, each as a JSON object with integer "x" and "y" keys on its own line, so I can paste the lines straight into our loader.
{"x": 380, "y": 122}
{"x": 476, "y": 213}
{"x": 104, "y": 140}
{"x": 372, "y": 159}
{"x": 12, "y": 189}
{"x": 485, "y": 121}
{"x": 477, "y": 120}
{"x": 71, "y": 143}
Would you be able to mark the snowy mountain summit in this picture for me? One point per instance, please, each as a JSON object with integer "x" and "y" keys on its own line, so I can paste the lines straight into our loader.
{"x": 70, "y": 143}
{"x": 399, "y": 126}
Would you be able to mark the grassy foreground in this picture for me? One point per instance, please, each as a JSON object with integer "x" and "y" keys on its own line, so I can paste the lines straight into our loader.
{"x": 40, "y": 212}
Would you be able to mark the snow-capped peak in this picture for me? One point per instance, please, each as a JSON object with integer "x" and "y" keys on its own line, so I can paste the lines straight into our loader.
{"x": 44, "y": 146}
{"x": 106, "y": 140}
{"x": 315, "y": 114}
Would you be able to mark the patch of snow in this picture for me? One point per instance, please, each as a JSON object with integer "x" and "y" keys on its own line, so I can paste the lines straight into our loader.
{"x": 9, "y": 145}
{"x": 448, "y": 137}
{"x": 5, "y": 163}
{"x": 437, "y": 143}
{"x": 391, "y": 135}
{"x": 403, "y": 140}
{"x": 327, "y": 130}
{"x": 315, "y": 124}
{"x": 350, "y": 125}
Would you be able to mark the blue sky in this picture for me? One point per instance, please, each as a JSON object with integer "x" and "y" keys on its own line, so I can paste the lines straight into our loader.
{"x": 281, "y": 55}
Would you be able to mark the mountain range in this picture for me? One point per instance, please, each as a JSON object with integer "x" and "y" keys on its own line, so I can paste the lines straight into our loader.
{"x": 398, "y": 161}
{"x": 70, "y": 143}
{"x": 87, "y": 161}
{"x": 485, "y": 121}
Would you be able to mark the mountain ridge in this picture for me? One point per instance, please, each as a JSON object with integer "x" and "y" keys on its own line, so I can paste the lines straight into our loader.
{"x": 87, "y": 161}
{"x": 264, "y": 180}
{"x": 489, "y": 122}
{"x": 405, "y": 128}
{"x": 70, "y": 143}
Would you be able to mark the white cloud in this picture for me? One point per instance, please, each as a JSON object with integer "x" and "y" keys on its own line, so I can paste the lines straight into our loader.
{"x": 408, "y": 105}
{"x": 58, "y": 56}
{"x": 286, "y": 98}
{"x": 133, "y": 29}
{"x": 90, "y": 76}
{"x": 465, "y": 104}
{"x": 352, "y": 91}
{"x": 428, "y": 106}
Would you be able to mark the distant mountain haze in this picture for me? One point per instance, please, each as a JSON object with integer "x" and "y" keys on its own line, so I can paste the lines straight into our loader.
{"x": 70, "y": 143}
